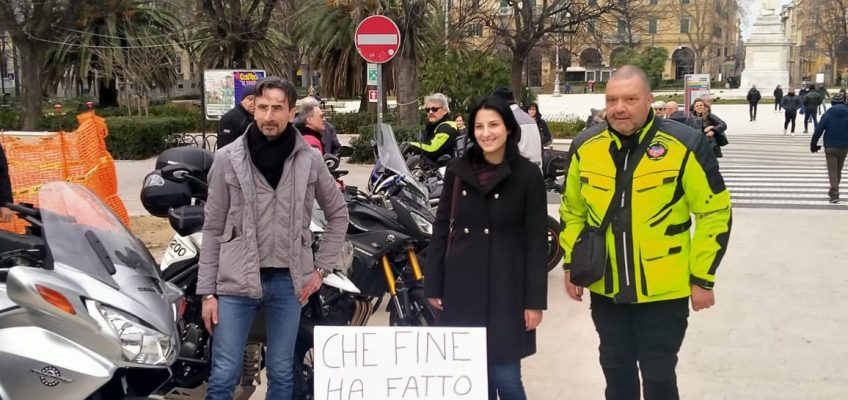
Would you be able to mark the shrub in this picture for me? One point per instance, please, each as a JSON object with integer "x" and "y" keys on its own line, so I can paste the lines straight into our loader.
{"x": 350, "y": 123}
{"x": 136, "y": 138}
{"x": 565, "y": 127}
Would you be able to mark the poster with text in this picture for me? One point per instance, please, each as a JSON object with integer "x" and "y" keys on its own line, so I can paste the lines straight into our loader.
{"x": 695, "y": 86}
{"x": 381, "y": 362}
{"x": 222, "y": 89}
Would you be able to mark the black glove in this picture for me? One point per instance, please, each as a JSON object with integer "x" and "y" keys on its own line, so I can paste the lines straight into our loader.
{"x": 814, "y": 148}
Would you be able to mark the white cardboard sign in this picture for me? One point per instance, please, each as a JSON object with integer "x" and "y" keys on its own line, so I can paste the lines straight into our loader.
{"x": 381, "y": 362}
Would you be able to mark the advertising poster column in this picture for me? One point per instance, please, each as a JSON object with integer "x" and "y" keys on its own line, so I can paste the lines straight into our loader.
{"x": 695, "y": 86}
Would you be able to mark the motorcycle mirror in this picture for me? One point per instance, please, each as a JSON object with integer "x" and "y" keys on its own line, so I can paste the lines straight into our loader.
{"x": 175, "y": 172}
{"x": 345, "y": 151}
{"x": 332, "y": 162}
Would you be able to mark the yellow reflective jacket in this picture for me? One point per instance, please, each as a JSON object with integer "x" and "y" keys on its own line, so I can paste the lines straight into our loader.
{"x": 652, "y": 255}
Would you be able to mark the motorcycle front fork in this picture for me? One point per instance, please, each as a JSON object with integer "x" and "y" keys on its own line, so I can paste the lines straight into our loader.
{"x": 391, "y": 279}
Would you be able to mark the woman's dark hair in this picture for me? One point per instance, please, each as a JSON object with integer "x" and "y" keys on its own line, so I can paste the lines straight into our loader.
{"x": 499, "y": 106}
{"x": 536, "y": 106}
{"x": 272, "y": 82}
{"x": 706, "y": 107}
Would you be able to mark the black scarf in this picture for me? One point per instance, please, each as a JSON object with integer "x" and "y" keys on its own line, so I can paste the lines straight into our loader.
{"x": 269, "y": 156}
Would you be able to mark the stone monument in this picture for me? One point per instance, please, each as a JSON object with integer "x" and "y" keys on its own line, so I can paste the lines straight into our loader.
{"x": 767, "y": 51}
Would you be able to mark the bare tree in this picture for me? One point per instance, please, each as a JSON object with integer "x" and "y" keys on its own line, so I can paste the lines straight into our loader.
{"x": 138, "y": 71}
{"x": 520, "y": 24}
{"x": 826, "y": 20}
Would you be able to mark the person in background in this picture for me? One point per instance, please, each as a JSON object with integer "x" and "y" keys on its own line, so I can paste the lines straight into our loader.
{"x": 657, "y": 260}
{"x": 834, "y": 127}
{"x": 310, "y": 123}
{"x": 439, "y": 136}
{"x": 5, "y": 188}
{"x": 673, "y": 113}
{"x": 235, "y": 122}
{"x": 790, "y": 104}
{"x": 753, "y": 98}
{"x": 486, "y": 263}
{"x": 544, "y": 131}
{"x": 778, "y": 98}
{"x": 530, "y": 144}
{"x": 659, "y": 108}
{"x": 262, "y": 189}
{"x": 811, "y": 101}
{"x": 824, "y": 97}
{"x": 460, "y": 124}
{"x": 702, "y": 120}
{"x": 596, "y": 116}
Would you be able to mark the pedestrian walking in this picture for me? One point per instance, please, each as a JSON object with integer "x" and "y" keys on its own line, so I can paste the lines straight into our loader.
{"x": 824, "y": 97}
{"x": 834, "y": 127}
{"x": 778, "y": 98}
{"x": 753, "y": 98}
{"x": 713, "y": 127}
{"x": 812, "y": 100}
{"x": 254, "y": 213}
{"x": 634, "y": 236}
{"x": 486, "y": 264}
{"x": 790, "y": 104}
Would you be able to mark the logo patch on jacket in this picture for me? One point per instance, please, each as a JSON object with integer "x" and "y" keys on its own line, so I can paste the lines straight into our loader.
{"x": 656, "y": 151}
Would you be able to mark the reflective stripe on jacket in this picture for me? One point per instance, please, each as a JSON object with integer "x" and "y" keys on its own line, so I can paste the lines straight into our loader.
{"x": 651, "y": 253}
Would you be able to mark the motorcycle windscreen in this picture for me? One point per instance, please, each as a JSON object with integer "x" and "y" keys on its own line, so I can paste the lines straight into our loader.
{"x": 84, "y": 234}
{"x": 391, "y": 158}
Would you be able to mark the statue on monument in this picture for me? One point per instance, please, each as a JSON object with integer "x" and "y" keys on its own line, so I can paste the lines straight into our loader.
{"x": 769, "y": 7}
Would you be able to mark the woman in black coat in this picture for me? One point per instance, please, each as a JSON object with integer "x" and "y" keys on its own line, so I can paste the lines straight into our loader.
{"x": 544, "y": 131}
{"x": 706, "y": 122}
{"x": 486, "y": 263}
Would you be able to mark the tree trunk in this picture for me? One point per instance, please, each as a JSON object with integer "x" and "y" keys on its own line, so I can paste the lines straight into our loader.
{"x": 108, "y": 93}
{"x": 516, "y": 80}
{"x": 30, "y": 55}
{"x": 407, "y": 92}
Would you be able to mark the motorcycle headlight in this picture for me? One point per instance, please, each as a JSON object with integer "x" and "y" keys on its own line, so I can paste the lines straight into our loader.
{"x": 139, "y": 343}
{"x": 422, "y": 223}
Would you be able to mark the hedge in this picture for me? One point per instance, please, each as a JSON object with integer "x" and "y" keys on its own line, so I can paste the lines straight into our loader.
{"x": 565, "y": 127}
{"x": 137, "y": 138}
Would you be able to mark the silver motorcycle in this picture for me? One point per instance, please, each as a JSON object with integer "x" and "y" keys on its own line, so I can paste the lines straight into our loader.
{"x": 84, "y": 313}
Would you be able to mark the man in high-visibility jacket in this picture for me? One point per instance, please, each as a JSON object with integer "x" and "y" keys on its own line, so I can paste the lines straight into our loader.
{"x": 439, "y": 137}
{"x": 654, "y": 264}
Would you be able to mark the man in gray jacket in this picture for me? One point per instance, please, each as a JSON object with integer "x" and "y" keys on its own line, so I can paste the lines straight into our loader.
{"x": 530, "y": 144}
{"x": 256, "y": 240}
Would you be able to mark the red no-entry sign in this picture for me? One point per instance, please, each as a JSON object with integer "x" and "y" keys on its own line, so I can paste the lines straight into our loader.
{"x": 377, "y": 39}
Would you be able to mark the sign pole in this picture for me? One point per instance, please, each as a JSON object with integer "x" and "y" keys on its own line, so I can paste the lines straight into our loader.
{"x": 379, "y": 95}
{"x": 203, "y": 107}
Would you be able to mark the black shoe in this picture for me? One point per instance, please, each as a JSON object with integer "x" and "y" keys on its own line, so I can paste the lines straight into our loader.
{"x": 834, "y": 201}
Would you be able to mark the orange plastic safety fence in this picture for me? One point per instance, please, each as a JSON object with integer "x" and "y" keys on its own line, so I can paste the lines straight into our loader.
{"x": 79, "y": 156}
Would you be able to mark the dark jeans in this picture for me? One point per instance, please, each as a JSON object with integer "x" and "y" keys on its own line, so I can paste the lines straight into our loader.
{"x": 505, "y": 382}
{"x": 790, "y": 117}
{"x": 835, "y": 157}
{"x": 649, "y": 334}
{"x": 752, "y": 111}
{"x": 235, "y": 317}
{"x": 811, "y": 113}
{"x": 777, "y": 106}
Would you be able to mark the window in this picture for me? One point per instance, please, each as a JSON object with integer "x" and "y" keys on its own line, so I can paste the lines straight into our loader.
{"x": 622, "y": 3}
{"x": 717, "y": 32}
{"x": 684, "y": 25}
{"x": 622, "y": 27}
{"x": 652, "y": 25}
{"x": 718, "y": 6}
{"x": 475, "y": 30}
{"x": 593, "y": 2}
{"x": 504, "y": 8}
{"x": 655, "y": 2}
{"x": 179, "y": 64}
{"x": 590, "y": 27}
{"x": 684, "y": 1}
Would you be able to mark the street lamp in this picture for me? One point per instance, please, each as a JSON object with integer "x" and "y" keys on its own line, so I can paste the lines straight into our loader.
{"x": 557, "y": 71}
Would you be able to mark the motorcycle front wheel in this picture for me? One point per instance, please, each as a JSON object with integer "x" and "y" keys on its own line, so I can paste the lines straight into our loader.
{"x": 418, "y": 311}
{"x": 555, "y": 251}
